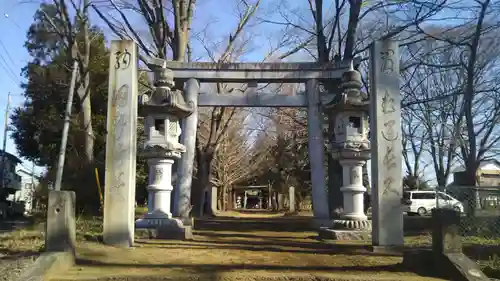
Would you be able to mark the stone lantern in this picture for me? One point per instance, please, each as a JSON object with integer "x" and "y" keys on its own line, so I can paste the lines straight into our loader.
{"x": 351, "y": 147}
{"x": 162, "y": 111}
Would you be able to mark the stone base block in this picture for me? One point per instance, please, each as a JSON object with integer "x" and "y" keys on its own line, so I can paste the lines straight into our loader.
{"x": 334, "y": 234}
{"x": 187, "y": 221}
{"x": 61, "y": 225}
{"x": 155, "y": 219}
{"x": 47, "y": 263}
{"x": 452, "y": 266}
{"x": 388, "y": 250}
{"x": 319, "y": 223}
{"x": 460, "y": 268}
{"x": 163, "y": 229}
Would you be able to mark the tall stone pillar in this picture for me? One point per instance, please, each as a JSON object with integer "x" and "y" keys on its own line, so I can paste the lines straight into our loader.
{"x": 182, "y": 200}
{"x": 385, "y": 129}
{"x": 316, "y": 153}
{"x": 121, "y": 145}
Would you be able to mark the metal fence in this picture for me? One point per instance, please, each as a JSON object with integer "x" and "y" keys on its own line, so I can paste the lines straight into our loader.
{"x": 480, "y": 220}
{"x": 478, "y": 206}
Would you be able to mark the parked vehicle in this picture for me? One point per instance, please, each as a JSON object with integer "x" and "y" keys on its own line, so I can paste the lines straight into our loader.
{"x": 422, "y": 202}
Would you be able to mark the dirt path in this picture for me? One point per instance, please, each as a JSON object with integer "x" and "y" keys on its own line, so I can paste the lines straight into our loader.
{"x": 229, "y": 248}
{"x": 18, "y": 248}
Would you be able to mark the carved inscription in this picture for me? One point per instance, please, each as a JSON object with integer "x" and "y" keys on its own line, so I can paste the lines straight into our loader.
{"x": 387, "y": 61}
{"x": 122, "y": 59}
{"x": 119, "y": 120}
{"x": 158, "y": 175}
{"x": 389, "y": 131}
{"x": 388, "y": 187}
{"x": 388, "y": 105}
{"x": 390, "y": 158}
{"x": 354, "y": 175}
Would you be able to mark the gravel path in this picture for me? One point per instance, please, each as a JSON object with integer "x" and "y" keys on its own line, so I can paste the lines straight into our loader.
{"x": 12, "y": 265}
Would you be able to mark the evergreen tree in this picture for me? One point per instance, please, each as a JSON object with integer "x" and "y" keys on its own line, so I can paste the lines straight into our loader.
{"x": 37, "y": 124}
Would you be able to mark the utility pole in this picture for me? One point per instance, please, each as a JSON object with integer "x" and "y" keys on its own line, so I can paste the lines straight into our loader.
{"x": 67, "y": 119}
{"x": 6, "y": 128}
{"x": 33, "y": 174}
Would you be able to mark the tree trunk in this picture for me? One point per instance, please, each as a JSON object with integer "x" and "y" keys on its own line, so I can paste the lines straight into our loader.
{"x": 281, "y": 201}
{"x": 471, "y": 182}
{"x": 86, "y": 123}
{"x": 230, "y": 199}
{"x": 334, "y": 184}
{"x": 85, "y": 96}
{"x": 367, "y": 202}
{"x": 224, "y": 197}
{"x": 335, "y": 197}
{"x": 199, "y": 200}
{"x": 366, "y": 179}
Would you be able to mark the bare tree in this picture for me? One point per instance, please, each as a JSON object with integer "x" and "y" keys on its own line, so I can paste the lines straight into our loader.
{"x": 158, "y": 16}
{"x": 176, "y": 37}
{"x": 240, "y": 154}
{"x": 413, "y": 143}
{"x": 431, "y": 115}
{"x": 476, "y": 39}
{"x": 343, "y": 30}
{"x": 74, "y": 32}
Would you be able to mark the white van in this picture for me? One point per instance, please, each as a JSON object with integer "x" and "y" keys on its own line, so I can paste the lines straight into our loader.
{"x": 422, "y": 202}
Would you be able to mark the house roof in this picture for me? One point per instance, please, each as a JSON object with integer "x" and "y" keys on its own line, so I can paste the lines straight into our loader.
{"x": 28, "y": 173}
{"x": 482, "y": 164}
{"x": 11, "y": 157}
{"x": 492, "y": 161}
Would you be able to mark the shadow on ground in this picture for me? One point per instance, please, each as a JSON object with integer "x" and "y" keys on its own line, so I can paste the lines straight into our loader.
{"x": 218, "y": 272}
{"x": 225, "y": 248}
{"x": 278, "y": 224}
{"x": 276, "y": 246}
{"x": 6, "y": 254}
{"x": 207, "y": 268}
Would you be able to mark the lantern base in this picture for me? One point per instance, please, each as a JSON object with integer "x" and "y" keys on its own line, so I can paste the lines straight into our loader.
{"x": 344, "y": 235}
{"x": 344, "y": 224}
{"x": 163, "y": 228}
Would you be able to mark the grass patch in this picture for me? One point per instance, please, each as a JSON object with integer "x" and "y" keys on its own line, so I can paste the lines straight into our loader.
{"x": 88, "y": 228}
{"x": 491, "y": 267}
{"x": 22, "y": 242}
{"x": 418, "y": 240}
{"x": 141, "y": 210}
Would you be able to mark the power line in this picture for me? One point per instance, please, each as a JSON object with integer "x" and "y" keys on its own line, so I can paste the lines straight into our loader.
{"x": 3, "y": 62}
{"x": 8, "y": 70}
{"x": 7, "y": 52}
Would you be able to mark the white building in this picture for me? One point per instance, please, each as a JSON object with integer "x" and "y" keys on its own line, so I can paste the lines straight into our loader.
{"x": 29, "y": 181}
{"x": 12, "y": 180}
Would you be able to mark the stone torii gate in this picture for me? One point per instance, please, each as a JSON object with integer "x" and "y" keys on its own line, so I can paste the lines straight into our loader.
{"x": 386, "y": 164}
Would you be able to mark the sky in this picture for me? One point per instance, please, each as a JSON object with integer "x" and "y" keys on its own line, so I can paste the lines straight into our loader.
{"x": 17, "y": 15}
{"x": 14, "y": 22}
